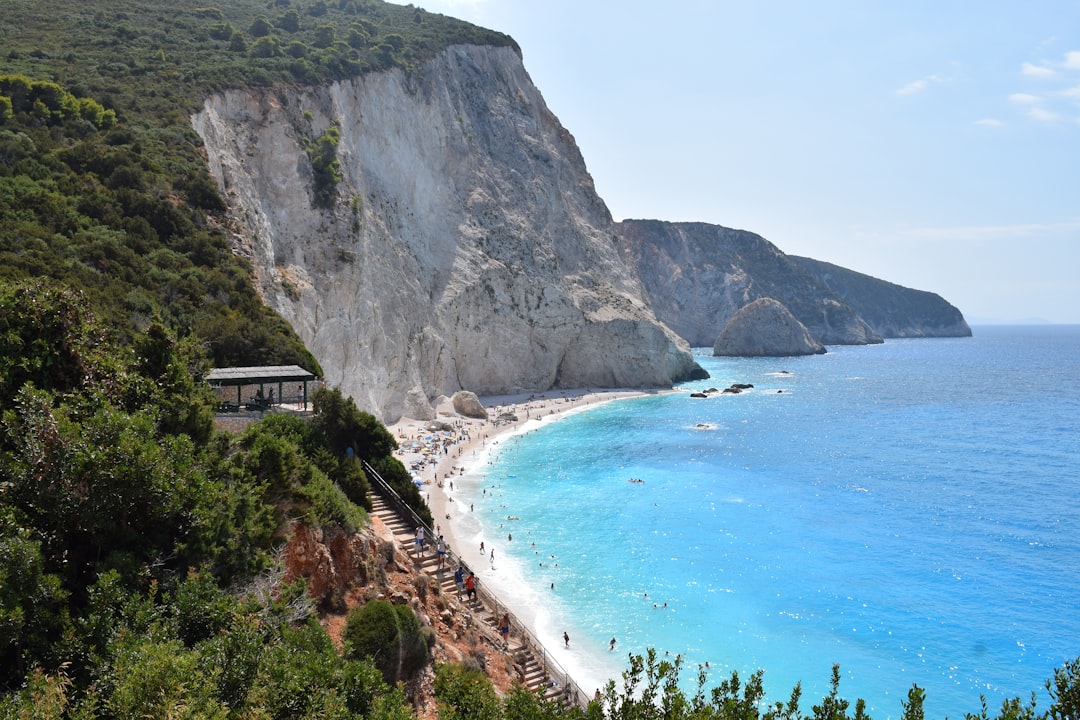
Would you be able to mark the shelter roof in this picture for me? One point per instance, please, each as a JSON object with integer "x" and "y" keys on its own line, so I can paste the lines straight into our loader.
{"x": 256, "y": 375}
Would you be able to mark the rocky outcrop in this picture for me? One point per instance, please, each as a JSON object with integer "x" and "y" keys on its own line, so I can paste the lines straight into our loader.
{"x": 330, "y": 561}
{"x": 697, "y": 276}
{"x": 765, "y": 328}
{"x": 893, "y": 311}
{"x": 467, "y": 404}
{"x": 466, "y": 248}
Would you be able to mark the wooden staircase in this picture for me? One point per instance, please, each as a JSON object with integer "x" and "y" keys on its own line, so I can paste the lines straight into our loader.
{"x": 532, "y": 674}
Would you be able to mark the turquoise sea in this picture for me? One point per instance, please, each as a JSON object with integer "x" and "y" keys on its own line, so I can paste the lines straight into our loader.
{"x": 909, "y": 510}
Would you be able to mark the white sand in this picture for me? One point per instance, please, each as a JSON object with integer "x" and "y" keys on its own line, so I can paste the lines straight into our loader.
{"x": 439, "y": 459}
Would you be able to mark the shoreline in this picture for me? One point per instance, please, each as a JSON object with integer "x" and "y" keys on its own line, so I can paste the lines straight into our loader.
{"x": 451, "y": 466}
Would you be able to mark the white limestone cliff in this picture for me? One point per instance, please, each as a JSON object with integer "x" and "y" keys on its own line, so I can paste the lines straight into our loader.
{"x": 467, "y": 248}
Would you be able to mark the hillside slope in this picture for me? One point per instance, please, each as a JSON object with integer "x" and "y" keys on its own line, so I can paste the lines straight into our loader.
{"x": 892, "y": 310}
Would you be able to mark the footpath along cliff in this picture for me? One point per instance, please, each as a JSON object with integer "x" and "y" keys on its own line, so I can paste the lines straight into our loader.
{"x": 466, "y": 247}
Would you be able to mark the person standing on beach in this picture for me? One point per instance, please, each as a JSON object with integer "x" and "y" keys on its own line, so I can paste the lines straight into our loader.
{"x": 566, "y": 638}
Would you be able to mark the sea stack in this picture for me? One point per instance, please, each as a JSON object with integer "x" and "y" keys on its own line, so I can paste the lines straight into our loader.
{"x": 765, "y": 328}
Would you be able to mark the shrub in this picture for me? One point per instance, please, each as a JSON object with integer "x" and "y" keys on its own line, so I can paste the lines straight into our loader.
{"x": 390, "y": 636}
{"x": 466, "y": 693}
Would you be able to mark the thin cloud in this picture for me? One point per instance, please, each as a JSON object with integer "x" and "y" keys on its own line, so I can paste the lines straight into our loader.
{"x": 1049, "y": 106}
{"x": 912, "y": 87}
{"x": 1038, "y": 70}
{"x": 1043, "y": 115}
{"x": 917, "y": 86}
{"x": 989, "y": 122}
{"x": 1024, "y": 99}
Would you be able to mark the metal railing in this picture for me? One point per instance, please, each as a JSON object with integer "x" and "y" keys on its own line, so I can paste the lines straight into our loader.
{"x": 556, "y": 675}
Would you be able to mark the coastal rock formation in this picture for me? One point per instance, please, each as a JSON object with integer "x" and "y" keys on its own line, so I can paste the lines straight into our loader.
{"x": 765, "y": 328}
{"x": 465, "y": 248}
{"x": 329, "y": 564}
{"x": 891, "y": 310}
{"x": 466, "y": 403}
{"x": 697, "y": 276}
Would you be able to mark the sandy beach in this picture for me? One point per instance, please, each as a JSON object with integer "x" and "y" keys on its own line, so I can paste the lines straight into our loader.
{"x": 447, "y": 454}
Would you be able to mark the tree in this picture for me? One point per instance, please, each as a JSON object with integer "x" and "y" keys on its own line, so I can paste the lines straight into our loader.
{"x": 289, "y": 21}
{"x": 388, "y": 635}
{"x": 832, "y": 706}
{"x": 260, "y": 28}
{"x": 346, "y": 427}
{"x": 265, "y": 47}
{"x": 465, "y": 694}
{"x": 32, "y": 602}
{"x": 913, "y": 706}
{"x": 325, "y": 36}
{"x": 1064, "y": 689}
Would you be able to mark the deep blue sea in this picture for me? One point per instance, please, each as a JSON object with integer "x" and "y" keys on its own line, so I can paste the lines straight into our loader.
{"x": 909, "y": 510}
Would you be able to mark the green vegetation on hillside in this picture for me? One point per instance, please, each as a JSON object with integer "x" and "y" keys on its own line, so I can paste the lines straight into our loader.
{"x": 138, "y": 570}
{"x": 85, "y": 202}
{"x": 103, "y": 186}
{"x": 124, "y": 517}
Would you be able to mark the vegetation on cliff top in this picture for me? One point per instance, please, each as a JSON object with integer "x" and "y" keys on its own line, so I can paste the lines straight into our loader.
{"x": 103, "y": 185}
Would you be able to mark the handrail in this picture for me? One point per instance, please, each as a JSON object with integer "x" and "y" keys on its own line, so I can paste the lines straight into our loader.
{"x": 551, "y": 667}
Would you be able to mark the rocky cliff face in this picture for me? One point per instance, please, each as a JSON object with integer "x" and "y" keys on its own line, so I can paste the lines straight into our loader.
{"x": 697, "y": 276}
{"x": 466, "y": 249}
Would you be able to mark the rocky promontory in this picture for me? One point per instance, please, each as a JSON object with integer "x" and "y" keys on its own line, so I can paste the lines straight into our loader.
{"x": 697, "y": 276}
{"x": 765, "y": 328}
{"x": 893, "y": 311}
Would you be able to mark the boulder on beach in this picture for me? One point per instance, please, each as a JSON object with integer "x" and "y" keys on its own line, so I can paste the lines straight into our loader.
{"x": 466, "y": 403}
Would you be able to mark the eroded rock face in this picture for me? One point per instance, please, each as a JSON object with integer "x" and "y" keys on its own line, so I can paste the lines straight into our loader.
{"x": 329, "y": 564}
{"x": 765, "y": 328}
{"x": 697, "y": 276}
{"x": 466, "y": 247}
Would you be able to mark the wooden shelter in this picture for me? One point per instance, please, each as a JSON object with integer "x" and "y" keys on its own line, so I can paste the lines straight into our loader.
{"x": 259, "y": 388}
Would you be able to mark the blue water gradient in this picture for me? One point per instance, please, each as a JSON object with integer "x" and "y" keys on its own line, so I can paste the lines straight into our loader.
{"x": 907, "y": 510}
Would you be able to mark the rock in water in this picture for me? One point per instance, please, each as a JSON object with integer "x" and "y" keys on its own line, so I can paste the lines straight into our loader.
{"x": 765, "y": 328}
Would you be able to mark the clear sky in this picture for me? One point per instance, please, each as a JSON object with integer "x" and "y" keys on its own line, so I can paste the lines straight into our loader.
{"x": 931, "y": 144}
